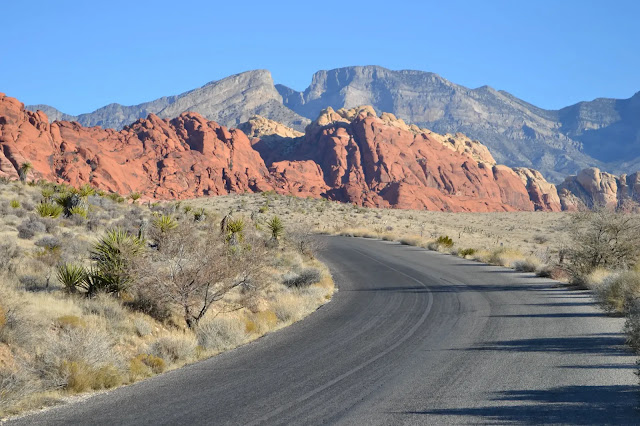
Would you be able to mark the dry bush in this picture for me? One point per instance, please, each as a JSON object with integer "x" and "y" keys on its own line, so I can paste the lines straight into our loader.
{"x": 529, "y": 264}
{"x": 303, "y": 278}
{"x": 603, "y": 238}
{"x": 143, "y": 328}
{"x": 194, "y": 270}
{"x": 174, "y": 348}
{"x": 220, "y": 333}
{"x": 619, "y": 290}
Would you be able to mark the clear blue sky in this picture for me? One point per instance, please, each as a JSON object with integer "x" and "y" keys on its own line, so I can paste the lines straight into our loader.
{"x": 80, "y": 55}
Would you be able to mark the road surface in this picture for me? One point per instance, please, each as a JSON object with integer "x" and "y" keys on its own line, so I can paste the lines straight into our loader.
{"x": 412, "y": 337}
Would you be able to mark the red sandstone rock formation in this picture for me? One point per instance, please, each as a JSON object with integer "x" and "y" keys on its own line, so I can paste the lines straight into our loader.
{"x": 347, "y": 155}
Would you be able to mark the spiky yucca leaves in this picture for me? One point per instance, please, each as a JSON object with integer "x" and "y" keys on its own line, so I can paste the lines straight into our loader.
{"x": 135, "y": 196}
{"x": 15, "y": 204}
{"x": 165, "y": 223}
{"x": 68, "y": 201}
{"x": 235, "y": 231}
{"x": 46, "y": 209}
{"x": 114, "y": 254}
{"x": 47, "y": 192}
{"x": 79, "y": 211}
{"x": 276, "y": 227}
{"x": 24, "y": 170}
{"x": 71, "y": 276}
{"x": 86, "y": 190}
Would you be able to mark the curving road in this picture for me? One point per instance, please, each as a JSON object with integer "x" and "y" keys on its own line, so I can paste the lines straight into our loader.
{"x": 412, "y": 337}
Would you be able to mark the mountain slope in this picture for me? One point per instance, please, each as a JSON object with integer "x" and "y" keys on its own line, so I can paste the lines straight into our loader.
{"x": 230, "y": 101}
{"x": 518, "y": 134}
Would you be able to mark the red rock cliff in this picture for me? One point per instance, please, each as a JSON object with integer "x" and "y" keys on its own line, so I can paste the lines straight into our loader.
{"x": 351, "y": 156}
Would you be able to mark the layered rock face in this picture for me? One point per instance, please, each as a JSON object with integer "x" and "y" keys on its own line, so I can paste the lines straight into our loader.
{"x": 185, "y": 157}
{"x": 380, "y": 161}
{"x": 350, "y": 155}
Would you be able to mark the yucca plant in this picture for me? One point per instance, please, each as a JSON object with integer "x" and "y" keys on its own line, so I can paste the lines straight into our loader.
{"x": 24, "y": 170}
{"x": 71, "y": 276}
{"x": 276, "y": 227}
{"x": 46, "y": 209}
{"x": 86, "y": 190}
{"x": 113, "y": 255}
{"x": 79, "y": 211}
{"x": 14, "y": 204}
{"x": 165, "y": 223}
{"x": 47, "y": 192}
{"x": 135, "y": 196}
{"x": 68, "y": 201}
{"x": 235, "y": 229}
{"x": 199, "y": 215}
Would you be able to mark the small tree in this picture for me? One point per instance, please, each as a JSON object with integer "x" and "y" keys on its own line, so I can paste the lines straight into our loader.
{"x": 602, "y": 238}
{"x": 194, "y": 271}
{"x": 24, "y": 170}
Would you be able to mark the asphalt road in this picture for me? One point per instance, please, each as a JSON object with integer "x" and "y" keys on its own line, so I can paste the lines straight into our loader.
{"x": 412, "y": 337}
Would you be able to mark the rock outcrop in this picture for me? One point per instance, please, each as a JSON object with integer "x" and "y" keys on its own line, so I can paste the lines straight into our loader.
{"x": 349, "y": 155}
{"x": 594, "y": 188}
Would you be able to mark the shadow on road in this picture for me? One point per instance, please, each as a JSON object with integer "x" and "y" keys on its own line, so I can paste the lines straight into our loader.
{"x": 575, "y": 405}
{"x": 595, "y": 344}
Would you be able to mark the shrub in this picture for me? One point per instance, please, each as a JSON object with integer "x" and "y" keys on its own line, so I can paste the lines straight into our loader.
{"x": 142, "y": 363}
{"x": 165, "y": 223}
{"x": 444, "y": 241}
{"x": 526, "y": 265}
{"x": 174, "y": 348}
{"x": 46, "y": 209}
{"x": 79, "y": 211}
{"x": 603, "y": 239}
{"x": 143, "y": 328}
{"x": 304, "y": 278}
{"x": 276, "y": 227}
{"x": 466, "y": 252}
{"x": 72, "y": 277}
{"x": 15, "y": 204}
{"x": 48, "y": 242}
{"x": 29, "y": 227}
{"x": 219, "y": 333}
{"x": 47, "y": 193}
{"x": 86, "y": 190}
{"x": 135, "y": 196}
{"x": 619, "y": 290}
{"x": 82, "y": 377}
{"x": 72, "y": 321}
{"x": 632, "y": 326}
{"x": 114, "y": 254}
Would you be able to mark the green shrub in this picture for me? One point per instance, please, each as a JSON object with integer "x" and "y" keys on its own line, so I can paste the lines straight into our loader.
{"x": 72, "y": 276}
{"x": 15, "y": 204}
{"x": 47, "y": 192}
{"x": 165, "y": 223}
{"x": 235, "y": 231}
{"x": 466, "y": 252}
{"x": 444, "y": 241}
{"x": 46, "y": 209}
{"x": 79, "y": 211}
{"x": 135, "y": 196}
{"x": 86, "y": 190}
{"x": 276, "y": 227}
{"x": 114, "y": 254}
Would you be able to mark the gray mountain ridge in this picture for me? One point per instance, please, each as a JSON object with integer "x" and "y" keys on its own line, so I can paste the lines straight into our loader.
{"x": 602, "y": 133}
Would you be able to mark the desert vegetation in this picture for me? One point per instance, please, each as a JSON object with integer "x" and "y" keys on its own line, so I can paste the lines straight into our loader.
{"x": 98, "y": 290}
{"x": 596, "y": 249}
